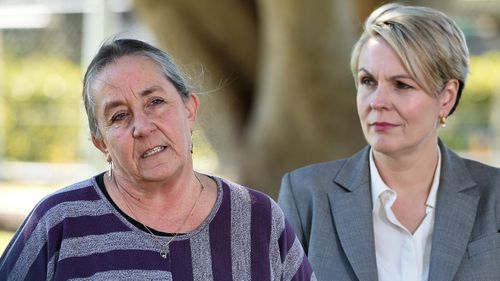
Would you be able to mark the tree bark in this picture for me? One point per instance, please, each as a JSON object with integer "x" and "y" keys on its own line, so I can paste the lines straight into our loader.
{"x": 305, "y": 110}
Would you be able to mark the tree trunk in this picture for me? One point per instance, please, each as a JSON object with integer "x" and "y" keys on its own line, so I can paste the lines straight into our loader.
{"x": 305, "y": 110}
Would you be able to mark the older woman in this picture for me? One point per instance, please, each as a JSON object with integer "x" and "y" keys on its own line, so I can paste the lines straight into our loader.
{"x": 150, "y": 217}
{"x": 405, "y": 207}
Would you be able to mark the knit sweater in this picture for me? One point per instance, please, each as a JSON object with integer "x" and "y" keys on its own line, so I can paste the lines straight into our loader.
{"x": 77, "y": 233}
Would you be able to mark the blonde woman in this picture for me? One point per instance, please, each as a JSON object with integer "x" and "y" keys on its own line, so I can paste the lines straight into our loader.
{"x": 405, "y": 207}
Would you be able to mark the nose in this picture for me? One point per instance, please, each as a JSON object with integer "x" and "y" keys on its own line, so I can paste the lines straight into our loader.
{"x": 380, "y": 98}
{"x": 142, "y": 125}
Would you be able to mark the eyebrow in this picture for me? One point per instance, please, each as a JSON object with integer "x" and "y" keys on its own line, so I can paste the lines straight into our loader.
{"x": 400, "y": 76}
{"x": 362, "y": 69}
{"x": 115, "y": 103}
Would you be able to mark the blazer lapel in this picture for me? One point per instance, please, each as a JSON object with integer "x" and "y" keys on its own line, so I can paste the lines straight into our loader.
{"x": 351, "y": 207}
{"x": 456, "y": 206}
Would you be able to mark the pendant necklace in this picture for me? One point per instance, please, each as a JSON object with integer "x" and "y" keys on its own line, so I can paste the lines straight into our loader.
{"x": 164, "y": 249}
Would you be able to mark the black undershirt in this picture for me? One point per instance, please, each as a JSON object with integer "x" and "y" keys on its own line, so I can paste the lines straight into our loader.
{"x": 100, "y": 182}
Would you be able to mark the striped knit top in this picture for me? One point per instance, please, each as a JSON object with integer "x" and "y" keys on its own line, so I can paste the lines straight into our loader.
{"x": 77, "y": 234}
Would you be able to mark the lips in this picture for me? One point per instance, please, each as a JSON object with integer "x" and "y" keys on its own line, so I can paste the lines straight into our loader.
{"x": 382, "y": 126}
{"x": 153, "y": 151}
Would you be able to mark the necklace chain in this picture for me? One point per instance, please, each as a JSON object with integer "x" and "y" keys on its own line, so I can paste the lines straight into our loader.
{"x": 164, "y": 250}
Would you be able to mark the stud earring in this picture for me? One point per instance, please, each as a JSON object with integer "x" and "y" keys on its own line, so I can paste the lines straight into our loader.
{"x": 442, "y": 121}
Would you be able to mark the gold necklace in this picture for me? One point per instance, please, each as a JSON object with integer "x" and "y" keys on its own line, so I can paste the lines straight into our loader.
{"x": 164, "y": 249}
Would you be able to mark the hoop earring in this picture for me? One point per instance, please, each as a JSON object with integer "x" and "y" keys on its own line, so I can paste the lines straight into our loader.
{"x": 442, "y": 121}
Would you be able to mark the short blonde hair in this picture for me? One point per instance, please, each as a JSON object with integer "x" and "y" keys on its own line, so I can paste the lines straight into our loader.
{"x": 430, "y": 44}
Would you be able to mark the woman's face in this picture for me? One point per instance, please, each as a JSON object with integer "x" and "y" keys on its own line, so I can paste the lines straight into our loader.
{"x": 396, "y": 115}
{"x": 144, "y": 123}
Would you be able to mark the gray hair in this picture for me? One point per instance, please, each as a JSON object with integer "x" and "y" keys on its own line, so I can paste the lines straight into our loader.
{"x": 430, "y": 44}
{"x": 113, "y": 50}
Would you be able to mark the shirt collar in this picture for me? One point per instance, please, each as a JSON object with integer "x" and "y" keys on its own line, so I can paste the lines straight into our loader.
{"x": 431, "y": 200}
{"x": 378, "y": 186}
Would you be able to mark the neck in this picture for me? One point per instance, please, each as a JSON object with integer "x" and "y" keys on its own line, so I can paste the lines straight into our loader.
{"x": 167, "y": 192}
{"x": 408, "y": 172}
{"x": 162, "y": 207}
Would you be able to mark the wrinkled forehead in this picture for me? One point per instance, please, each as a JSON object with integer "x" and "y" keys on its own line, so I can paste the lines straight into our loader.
{"x": 128, "y": 79}
{"x": 128, "y": 73}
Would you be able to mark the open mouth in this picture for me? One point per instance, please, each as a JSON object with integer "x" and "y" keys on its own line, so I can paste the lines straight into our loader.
{"x": 153, "y": 151}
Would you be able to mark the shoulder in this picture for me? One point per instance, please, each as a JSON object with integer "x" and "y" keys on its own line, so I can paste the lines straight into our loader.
{"x": 319, "y": 177}
{"x": 480, "y": 170}
{"x": 470, "y": 175}
{"x": 239, "y": 192}
{"x": 485, "y": 176}
{"x": 245, "y": 199}
{"x": 63, "y": 203}
{"x": 318, "y": 170}
{"x": 57, "y": 225}
{"x": 330, "y": 169}
{"x": 475, "y": 166}
{"x": 77, "y": 192}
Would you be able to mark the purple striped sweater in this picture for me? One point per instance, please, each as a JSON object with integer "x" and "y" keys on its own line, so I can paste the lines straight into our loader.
{"x": 77, "y": 234}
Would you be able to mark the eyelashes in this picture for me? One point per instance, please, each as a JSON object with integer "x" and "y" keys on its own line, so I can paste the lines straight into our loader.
{"x": 367, "y": 81}
{"x": 118, "y": 117}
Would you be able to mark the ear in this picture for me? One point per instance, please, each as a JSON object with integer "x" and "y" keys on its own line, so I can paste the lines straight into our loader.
{"x": 191, "y": 106}
{"x": 101, "y": 145}
{"x": 447, "y": 97}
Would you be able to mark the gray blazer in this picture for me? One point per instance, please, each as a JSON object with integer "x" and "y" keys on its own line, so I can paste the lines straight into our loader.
{"x": 330, "y": 207}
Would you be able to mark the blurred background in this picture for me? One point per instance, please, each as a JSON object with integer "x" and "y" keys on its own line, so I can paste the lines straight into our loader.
{"x": 273, "y": 76}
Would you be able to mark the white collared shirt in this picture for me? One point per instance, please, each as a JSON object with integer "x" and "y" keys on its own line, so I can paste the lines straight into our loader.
{"x": 400, "y": 254}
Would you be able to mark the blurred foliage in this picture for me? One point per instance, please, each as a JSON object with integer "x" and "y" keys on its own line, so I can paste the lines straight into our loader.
{"x": 41, "y": 109}
{"x": 470, "y": 126}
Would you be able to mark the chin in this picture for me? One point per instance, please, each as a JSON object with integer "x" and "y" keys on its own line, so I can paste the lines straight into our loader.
{"x": 157, "y": 174}
{"x": 385, "y": 147}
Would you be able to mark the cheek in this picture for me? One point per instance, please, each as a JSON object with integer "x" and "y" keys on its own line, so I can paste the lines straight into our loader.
{"x": 116, "y": 141}
{"x": 419, "y": 110}
{"x": 180, "y": 123}
{"x": 174, "y": 127}
{"x": 362, "y": 105}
